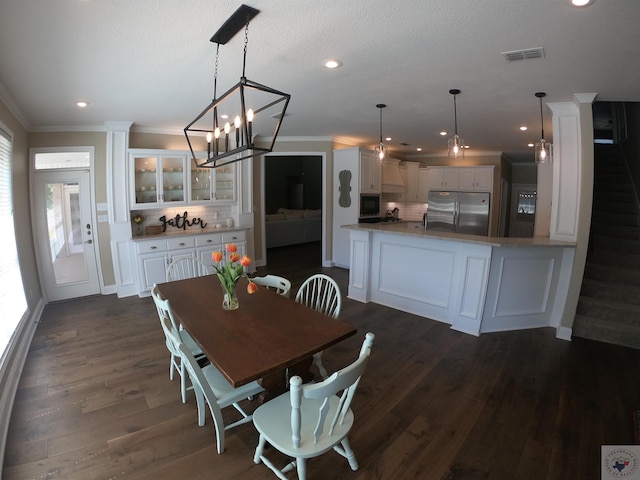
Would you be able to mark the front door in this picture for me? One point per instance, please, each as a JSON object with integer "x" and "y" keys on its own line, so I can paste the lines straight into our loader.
{"x": 65, "y": 234}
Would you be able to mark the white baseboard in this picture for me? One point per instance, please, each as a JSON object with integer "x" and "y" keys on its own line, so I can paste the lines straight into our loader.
{"x": 564, "y": 333}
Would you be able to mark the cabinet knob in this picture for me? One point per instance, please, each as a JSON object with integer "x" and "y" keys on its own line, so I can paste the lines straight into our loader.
{"x": 181, "y": 244}
{"x": 153, "y": 247}
{"x": 209, "y": 241}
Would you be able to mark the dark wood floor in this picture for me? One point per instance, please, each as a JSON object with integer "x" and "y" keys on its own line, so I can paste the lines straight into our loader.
{"x": 95, "y": 400}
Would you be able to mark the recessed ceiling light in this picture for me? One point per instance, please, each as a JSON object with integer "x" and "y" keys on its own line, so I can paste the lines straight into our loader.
{"x": 523, "y": 128}
{"x": 530, "y": 145}
{"x": 333, "y": 63}
{"x": 466, "y": 146}
{"x": 388, "y": 139}
{"x": 81, "y": 104}
{"x": 581, "y": 3}
{"x": 443, "y": 133}
{"x": 419, "y": 149}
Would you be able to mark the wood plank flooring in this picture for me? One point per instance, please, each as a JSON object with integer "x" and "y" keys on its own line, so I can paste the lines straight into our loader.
{"x": 95, "y": 400}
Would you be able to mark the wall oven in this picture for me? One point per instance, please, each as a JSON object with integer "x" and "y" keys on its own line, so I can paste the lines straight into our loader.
{"x": 369, "y": 208}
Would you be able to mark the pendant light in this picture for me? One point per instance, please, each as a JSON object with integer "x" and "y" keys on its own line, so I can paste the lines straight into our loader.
{"x": 455, "y": 144}
{"x": 381, "y": 149}
{"x": 544, "y": 150}
{"x": 252, "y": 106}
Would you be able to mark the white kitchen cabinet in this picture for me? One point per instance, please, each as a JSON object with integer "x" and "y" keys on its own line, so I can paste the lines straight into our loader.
{"x": 154, "y": 255}
{"x": 206, "y": 244}
{"x": 443, "y": 178}
{"x": 477, "y": 179}
{"x": 423, "y": 185}
{"x": 152, "y": 263}
{"x": 409, "y": 172}
{"x": 370, "y": 172}
{"x": 158, "y": 179}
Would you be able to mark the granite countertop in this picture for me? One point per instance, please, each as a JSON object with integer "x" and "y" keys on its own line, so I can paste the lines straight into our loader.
{"x": 190, "y": 231}
{"x": 415, "y": 229}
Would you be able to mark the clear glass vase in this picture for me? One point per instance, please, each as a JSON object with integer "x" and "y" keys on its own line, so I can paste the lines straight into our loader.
{"x": 230, "y": 298}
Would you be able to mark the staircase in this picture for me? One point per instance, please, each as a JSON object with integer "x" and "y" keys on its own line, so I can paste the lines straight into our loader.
{"x": 609, "y": 305}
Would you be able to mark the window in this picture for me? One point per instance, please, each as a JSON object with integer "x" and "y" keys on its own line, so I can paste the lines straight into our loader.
{"x": 13, "y": 304}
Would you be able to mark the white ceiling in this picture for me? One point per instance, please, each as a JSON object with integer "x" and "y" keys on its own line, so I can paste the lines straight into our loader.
{"x": 151, "y": 62}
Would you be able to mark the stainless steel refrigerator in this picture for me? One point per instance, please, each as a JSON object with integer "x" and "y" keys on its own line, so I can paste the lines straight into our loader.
{"x": 460, "y": 212}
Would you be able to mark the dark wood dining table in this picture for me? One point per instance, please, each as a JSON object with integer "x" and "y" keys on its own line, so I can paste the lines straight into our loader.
{"x": 266, "y": 335}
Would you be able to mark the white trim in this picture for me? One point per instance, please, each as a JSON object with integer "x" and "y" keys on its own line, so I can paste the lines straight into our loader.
{"x": 564, "y": 333}
{"x": 69, "y": 128}
{"x": 13, "y": 108}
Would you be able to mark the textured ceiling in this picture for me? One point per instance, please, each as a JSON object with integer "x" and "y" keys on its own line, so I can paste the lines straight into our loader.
{"x": 151, "y": 62}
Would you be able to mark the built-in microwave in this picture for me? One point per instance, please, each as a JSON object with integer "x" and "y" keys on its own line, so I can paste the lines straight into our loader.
{"x": 369, "y": 207}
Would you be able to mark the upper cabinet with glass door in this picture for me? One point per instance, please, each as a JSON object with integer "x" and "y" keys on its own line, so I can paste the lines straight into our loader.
{"x": 224, "y": 183}
{"x": 213, "y": 185}
{"x": 157, "y": 179}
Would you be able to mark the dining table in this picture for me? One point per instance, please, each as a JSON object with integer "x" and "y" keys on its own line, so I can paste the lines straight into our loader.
{"x": 267, "y": 335}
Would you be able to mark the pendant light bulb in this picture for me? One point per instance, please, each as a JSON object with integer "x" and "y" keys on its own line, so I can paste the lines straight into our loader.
{"x": 455, "y": 145}
{"x": 381, "y": 149}
{"x": 543, "y": 149}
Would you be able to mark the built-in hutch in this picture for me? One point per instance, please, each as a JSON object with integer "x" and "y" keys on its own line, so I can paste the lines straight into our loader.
{"x": 167, "y": 183}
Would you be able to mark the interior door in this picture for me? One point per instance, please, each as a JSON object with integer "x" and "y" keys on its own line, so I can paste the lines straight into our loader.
{"x": 64, "y": 233}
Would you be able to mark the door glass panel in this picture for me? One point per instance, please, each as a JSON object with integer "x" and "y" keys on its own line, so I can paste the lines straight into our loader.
{"x": 65, "y": 233}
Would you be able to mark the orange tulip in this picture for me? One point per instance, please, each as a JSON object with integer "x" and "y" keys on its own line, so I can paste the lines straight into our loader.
{"x": 245, "y": 261}
{"x": 231, "y": 247}
{"x": 216, "y": 256}
{"x": 234, "y": 257}
{"x": 252, "y": 288}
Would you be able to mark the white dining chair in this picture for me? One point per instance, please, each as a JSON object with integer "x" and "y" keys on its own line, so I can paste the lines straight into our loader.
{"x": 281, "y": 285}
{"x": 182, "y": 268}
{"x": 321, "y": 293}
{"x": 210, "y": 386}
{"x": 176, "y": 364}
{"x": 311, "y": 419}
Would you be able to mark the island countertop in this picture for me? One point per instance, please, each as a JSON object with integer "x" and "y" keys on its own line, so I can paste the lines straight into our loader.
{"x": 415, "y": 229}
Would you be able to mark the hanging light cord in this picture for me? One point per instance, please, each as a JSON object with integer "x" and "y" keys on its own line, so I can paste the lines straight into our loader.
{"x": 541, "y": 119}
{"x": 380, "y": 125}
{"x": 455, "y": 115}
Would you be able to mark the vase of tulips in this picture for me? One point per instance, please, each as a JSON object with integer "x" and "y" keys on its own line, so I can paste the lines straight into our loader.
{"x": 229, "y": 271}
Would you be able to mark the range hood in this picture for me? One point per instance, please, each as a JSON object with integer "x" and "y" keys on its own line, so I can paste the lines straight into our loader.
{"x": 391, "y": 179}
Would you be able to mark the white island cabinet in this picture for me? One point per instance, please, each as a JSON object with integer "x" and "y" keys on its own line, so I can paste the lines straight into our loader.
{"x": 476, "y": 284}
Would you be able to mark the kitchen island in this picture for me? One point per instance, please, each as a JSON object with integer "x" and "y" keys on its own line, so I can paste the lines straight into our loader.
{"x": 474, "y": 283}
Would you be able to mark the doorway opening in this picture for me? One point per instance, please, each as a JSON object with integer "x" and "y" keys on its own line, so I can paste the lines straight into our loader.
{"x": 293, "y": 207}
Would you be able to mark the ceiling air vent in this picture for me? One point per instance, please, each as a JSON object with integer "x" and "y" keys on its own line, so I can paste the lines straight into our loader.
{"x": 525, "y": 54}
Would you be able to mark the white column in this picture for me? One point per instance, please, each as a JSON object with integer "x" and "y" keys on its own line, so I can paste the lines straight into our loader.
{"x": 572, "y": 189}
{"x": 118, "y": 203}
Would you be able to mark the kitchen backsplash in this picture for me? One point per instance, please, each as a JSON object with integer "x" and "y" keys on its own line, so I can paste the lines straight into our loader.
{"x": 208, "y": 215}
{"x": 411, "y": 212}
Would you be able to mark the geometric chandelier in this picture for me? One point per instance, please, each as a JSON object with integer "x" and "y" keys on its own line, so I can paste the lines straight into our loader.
{"x": 231, "y": 121}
